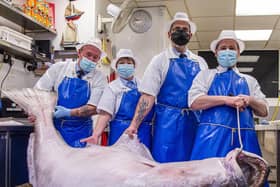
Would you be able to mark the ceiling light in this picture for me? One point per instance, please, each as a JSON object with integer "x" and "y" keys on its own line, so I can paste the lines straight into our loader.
{"x": 248, "y": 58}
{"x": 253, "y": 35}
{"x": 257, "y": 7}
{"x": 245, "y": 69}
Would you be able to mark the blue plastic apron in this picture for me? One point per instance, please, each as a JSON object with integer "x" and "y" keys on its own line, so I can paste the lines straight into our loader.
{"x": 217, "y": 133}
{"x": 73, "y": 93}
{"x": 175, "y": 124}
{"x": 124, "y": 116}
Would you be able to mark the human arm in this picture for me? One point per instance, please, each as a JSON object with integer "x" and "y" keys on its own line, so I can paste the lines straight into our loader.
{"x": 84, "y": 111}
{"x": 256, "y": 99}
{"x": 150, "y": 86}
{"x": 97, "y": 83}
{"x": 205, "y": 101}
{"x": 102, "y": 121}
{"x": 258, "y": 105}
{"x": 199, "y": 98}
{"x": 144, "y": 106}
{"x": 106, "y": 109}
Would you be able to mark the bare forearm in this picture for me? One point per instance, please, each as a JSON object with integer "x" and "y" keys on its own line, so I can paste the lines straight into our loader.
{"x": 258, "y": 106}
{"x": 206, "y": 101}
{"x": 102, "y": 121}
{"x": 84, "y": 111}
{"x": 144, "y": 106}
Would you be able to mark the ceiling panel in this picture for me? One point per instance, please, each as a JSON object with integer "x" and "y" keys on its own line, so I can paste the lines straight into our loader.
{"x": 278, "y": 23}
{"x": 273, "y": 45}
{"x": 176, "y": 6}
{"x": 213, "y": 23}
{"x": 204, "y": 45}
{"x": 202, "y": 8}
{"x": 254, "y": 45}
{"x": 213, "y": 16}
{"x": 275, "y": 35}
{"x": 207, "y": 36}
{"x": 255, "y": 22}
{"x": 193, "y": 45}
{"x": 194, "y": 38}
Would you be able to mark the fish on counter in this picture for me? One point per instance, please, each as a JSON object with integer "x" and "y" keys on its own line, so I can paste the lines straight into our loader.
{"x": 128, "y": 163}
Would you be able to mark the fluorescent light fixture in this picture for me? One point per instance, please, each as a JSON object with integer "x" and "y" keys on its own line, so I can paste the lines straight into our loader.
{"x": 248, "y": 58}
{"x": 257, "y": 7}
{"x": 253, "y": 35}
{"x": 245, "y": 69}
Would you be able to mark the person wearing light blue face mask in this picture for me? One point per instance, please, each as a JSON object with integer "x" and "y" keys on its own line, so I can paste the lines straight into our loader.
{"x": 218, "y": 92}
{"x": 87, "y": 65}
{"x": 118, "y": 103}
{"x": 79, "y": 86}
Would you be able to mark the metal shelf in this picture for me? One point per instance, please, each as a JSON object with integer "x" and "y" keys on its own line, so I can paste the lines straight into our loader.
{"x": 15, "y": 15}
{"x": 21, "y": 53}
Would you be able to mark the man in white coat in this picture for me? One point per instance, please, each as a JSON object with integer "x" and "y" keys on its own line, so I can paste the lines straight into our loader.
{"x": 167, "y": 79}
{"x": 79, "y": 86}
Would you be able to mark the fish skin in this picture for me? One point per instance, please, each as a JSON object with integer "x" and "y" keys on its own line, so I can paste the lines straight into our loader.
{"x": 127, "y": 163}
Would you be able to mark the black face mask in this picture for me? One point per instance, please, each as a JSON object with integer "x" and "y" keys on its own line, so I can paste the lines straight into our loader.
{"x": 180, "y": 37}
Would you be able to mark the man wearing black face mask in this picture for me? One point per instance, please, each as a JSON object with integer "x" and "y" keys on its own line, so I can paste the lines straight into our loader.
{"x": 167, "y": 80}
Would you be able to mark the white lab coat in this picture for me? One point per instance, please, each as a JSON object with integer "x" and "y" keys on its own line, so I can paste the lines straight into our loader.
{"x": 156, "y": 71}
{"x": 112, "y": 96}
{"x": 56, "y": 73}
{"x": 204, "y": 79}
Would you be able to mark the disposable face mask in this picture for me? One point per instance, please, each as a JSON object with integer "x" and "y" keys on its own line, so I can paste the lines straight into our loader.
{"x": 227, "y": 58}
{"x": 180, "y": 37}
{"x": 125, "y": 70}
{"x": 87, "y": 65}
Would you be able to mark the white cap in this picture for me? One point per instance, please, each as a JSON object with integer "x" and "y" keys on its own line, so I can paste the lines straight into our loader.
{"x": 182, "y": 16}
{"x": 94, "y": 42}
{"x": 227, "y": 34}
{"x": 124, "y": 53}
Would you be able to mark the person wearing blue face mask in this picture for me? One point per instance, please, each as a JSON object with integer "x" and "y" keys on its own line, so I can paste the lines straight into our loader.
{"x": 79, "y": 86}
{"x": 218, "y": 93}
{"x": 118, "y": 103}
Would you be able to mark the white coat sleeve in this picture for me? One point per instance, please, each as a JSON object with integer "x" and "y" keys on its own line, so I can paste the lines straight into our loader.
{"x": 202, "y": 63}
{"x": 97, "y": 88}
{"x": 200, "y": 86}
{"x": 107, "y": 102}
{"x": 152, "y": 78}
{"x": 47, "y": 81}
{"x": 256, "y": 92}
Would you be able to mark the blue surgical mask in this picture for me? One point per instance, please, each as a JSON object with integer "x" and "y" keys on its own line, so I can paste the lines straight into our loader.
{"x": 227, "y": 58}
{"x": 126, "y": 70}
{"x": 87, "y": 65}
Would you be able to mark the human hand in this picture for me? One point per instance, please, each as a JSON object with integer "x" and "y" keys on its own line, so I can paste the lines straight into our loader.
{"x": 131, "y": 130}
{"x": 236, "y": 102}
{"x": 92, "y": 139}
{"x": 246, "y": 98}
{"x": 61, "y": 111}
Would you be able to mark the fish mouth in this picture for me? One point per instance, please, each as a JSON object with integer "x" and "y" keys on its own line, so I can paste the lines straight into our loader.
{"x": 254, "y": 168}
